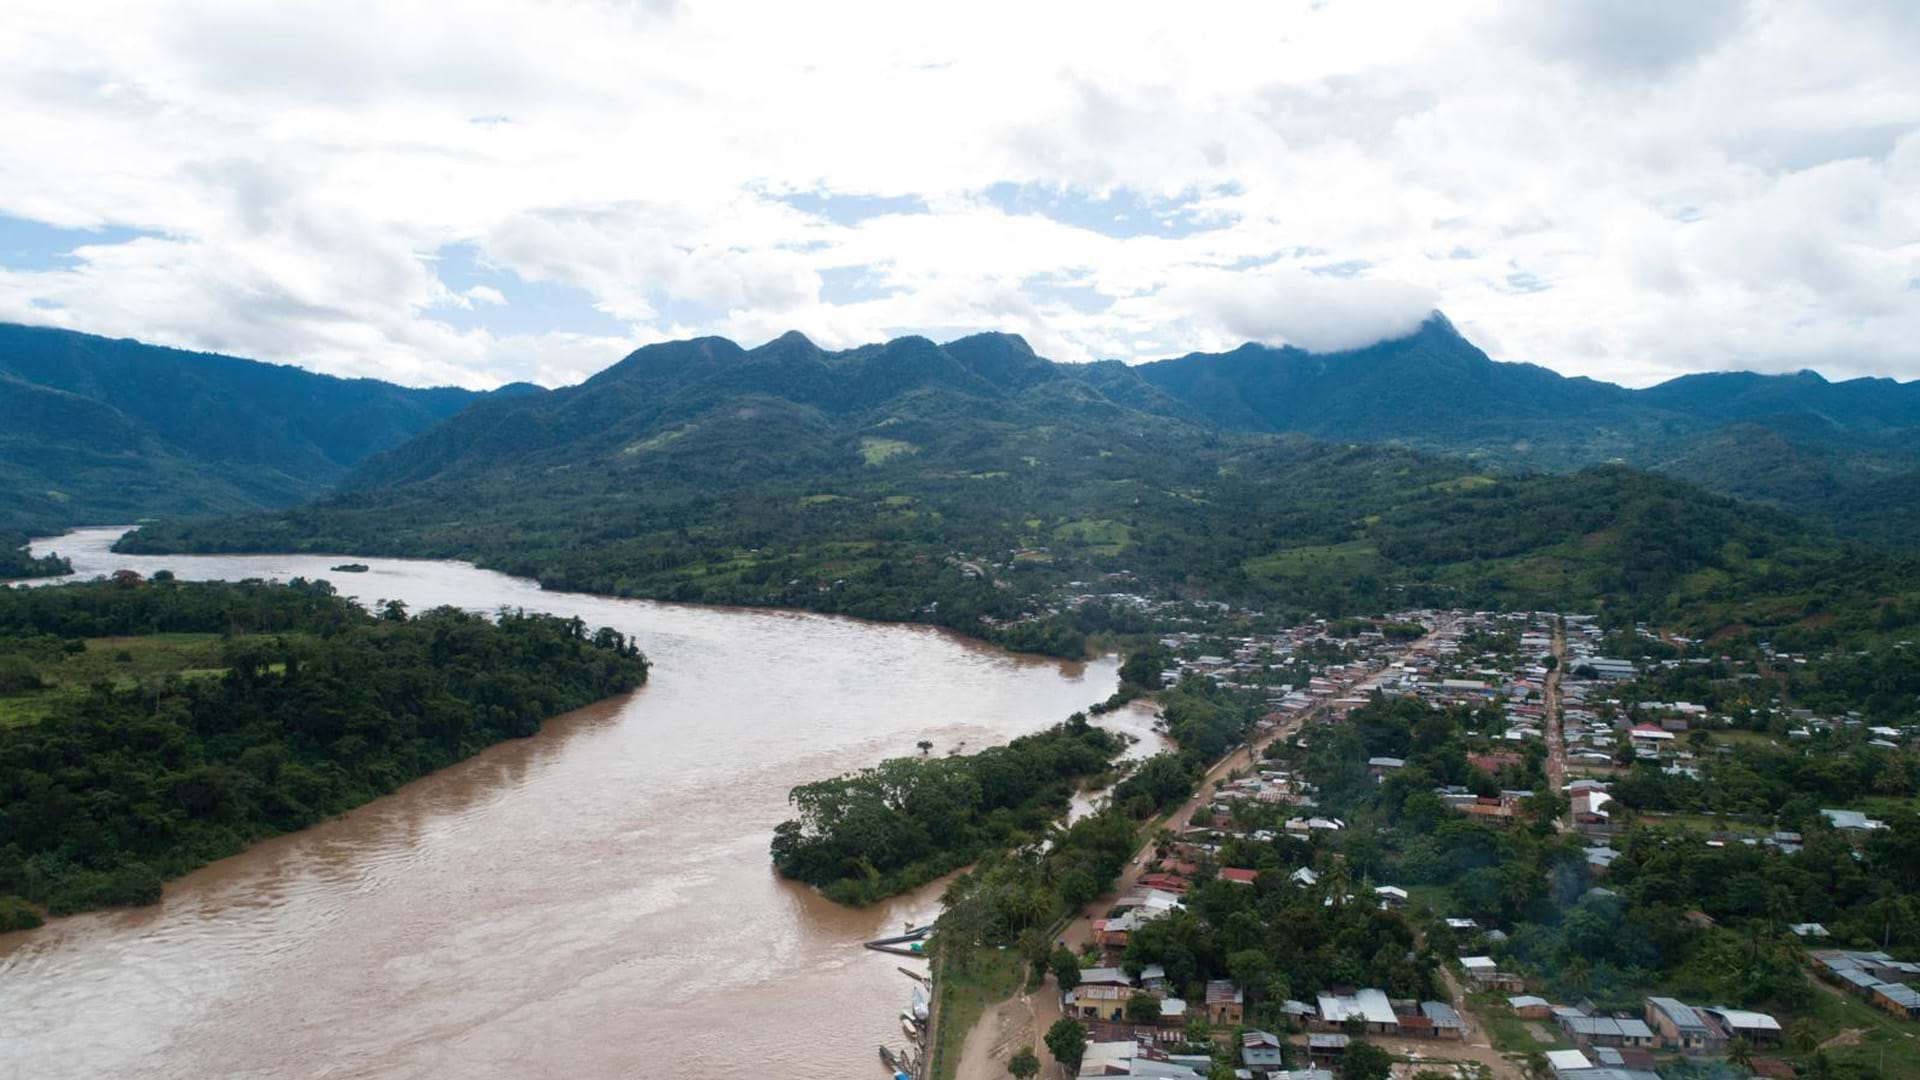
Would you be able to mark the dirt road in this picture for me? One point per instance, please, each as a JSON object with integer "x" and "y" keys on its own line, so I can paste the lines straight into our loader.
{"x": 1019, "y": 1021}
{"x": 1556, "y": 733}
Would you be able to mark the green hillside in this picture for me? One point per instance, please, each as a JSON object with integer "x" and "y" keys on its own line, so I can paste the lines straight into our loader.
{"x": 1799, "y": 441}
{"x": 975, "y": 481}
{"x": 103, "y": 431}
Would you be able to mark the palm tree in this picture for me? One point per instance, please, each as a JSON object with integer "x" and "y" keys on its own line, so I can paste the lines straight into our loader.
{"x": 1739, "y": 1053}
{"x": 1802, "y": 1037}
{"x": 1337, "y": 882}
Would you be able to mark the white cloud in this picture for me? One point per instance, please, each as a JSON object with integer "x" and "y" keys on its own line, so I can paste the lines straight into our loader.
{"x": 1292, "y": 307}
{"x": 1626, "y": 190}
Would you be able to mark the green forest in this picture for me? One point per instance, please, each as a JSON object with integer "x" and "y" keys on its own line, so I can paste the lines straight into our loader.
{"x": 16, "y": 562}
{"x": 980, "y": 545}
{"x": 883, "y": 830}
{"x": 150, "y": 727}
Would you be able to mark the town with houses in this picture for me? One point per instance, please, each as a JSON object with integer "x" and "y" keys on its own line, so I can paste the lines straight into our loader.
{"x": 1561, "y": 701}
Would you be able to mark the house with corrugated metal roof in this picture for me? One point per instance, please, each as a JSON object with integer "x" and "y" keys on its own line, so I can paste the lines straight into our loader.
{"x": 1682, "y": 1027}
{"x": 1607, "y": 1030}
{"x": 1371, "y": 1008}
{"x": 1757, "y": 1028}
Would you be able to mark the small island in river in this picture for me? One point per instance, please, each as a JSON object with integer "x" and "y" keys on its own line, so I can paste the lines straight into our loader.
{"x": 351, "y": 568}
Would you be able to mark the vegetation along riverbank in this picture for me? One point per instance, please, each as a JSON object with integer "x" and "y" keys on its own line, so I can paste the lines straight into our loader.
{"x": 150, "y": 727}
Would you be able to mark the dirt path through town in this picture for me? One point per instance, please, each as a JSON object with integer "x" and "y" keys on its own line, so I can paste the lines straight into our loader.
{"x": 1556, "y": 731}
{"x": 1019, "y": 1021}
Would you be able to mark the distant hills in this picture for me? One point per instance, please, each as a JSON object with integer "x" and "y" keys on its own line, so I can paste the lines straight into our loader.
{"x": 958, "y": 482}
{"x": 110, "y": 430}
{"x": 1836, "y": 450}
{"x": 951, "y": 482}
{"x": 1847, "y": 453}
{"x": 100, "y": 430}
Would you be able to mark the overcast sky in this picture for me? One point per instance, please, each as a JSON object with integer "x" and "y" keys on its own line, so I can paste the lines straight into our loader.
{"x": 485, "y": 192}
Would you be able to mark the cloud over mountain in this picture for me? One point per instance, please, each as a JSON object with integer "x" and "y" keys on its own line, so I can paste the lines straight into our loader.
{"x": 1627, "y": 190}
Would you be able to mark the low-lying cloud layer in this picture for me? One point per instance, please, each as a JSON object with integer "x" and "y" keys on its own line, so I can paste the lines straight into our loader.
{"x": 510, "y": 191}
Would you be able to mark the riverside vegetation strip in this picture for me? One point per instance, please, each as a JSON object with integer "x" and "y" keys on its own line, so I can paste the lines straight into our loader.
{"x": 155, "y": 726}
{"x": 16, "y": 562}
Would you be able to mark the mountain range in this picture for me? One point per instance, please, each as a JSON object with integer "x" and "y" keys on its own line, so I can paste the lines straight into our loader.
{"x": 111, "y": 430}
{"x": 101, "y": 431}
{"x": 1843, "y": 451}
{"x": 959, "y": 481}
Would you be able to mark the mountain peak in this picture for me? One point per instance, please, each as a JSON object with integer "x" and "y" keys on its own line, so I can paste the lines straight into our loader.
{"x": 1002, "y": 359}
{"x": 788, "y": 347}
{"x": 1437, "y": 323}
{"x": 995, "y": 339}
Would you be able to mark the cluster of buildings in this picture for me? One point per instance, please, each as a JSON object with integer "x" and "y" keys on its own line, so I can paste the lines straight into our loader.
{"x": 1667, "y": 1024}
{"x": 1879, "y": 979}
{"x": 1446, "y": 669}
{"x": 1130, "y": 1040}
{"x": 1341, "y": 658}
{"x": 1495, "y": 662}
{"x": 1102, "y": 997}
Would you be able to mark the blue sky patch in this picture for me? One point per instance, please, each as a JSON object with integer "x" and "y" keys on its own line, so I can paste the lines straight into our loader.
{"x": 33, "y": 245}
{"x": 1525, "y": 281}
{"x": 853, "y": 284}
{"x": 852, "y": 209}
{"x": 1122, "y": 213}
{"x": 1079, "y": 297}
{"x": 1350, "y": 268}
{"x": 532, "y": 307}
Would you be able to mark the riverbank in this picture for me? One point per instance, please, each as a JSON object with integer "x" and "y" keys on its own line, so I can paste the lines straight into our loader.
{"x": 498, "y": 918}
{"x": 161, "y": 725}
{"x": 1034, "y": 637}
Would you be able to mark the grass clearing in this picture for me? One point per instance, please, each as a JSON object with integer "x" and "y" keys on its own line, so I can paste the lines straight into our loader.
{"x": 20, "y": 710}
{"x": 962, "y": 996}
{"x": 1101, "y": 534}
{"x": 1707, "y": 823}
{"x": 1463, "y": 483}
{"x": 1882, "y": 1042}
{"x": 1511, "y": 1034}
{"x": 874, "y": 450}
{"x": 1742, "y": 737}
{"x": 1352, "y": 557}
{"x": 658, "y": 441}
{"x": 121, "y": 662}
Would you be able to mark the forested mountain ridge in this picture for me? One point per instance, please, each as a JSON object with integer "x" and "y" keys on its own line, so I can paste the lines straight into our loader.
{"x": 965, "y": 483}
{"x": 1833, "y": 450}
{"x": 1828, "y": 446}
{"x": 650, "y": 404}
{"x": 102, "y": 430}
{"x": 114, "y": 430}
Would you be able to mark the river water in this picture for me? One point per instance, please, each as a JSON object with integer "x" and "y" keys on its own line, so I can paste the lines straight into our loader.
{"x": 595, "y": 901}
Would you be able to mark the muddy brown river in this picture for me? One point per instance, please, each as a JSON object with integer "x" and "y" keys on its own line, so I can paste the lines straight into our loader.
{"x": 595, "y": 901}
